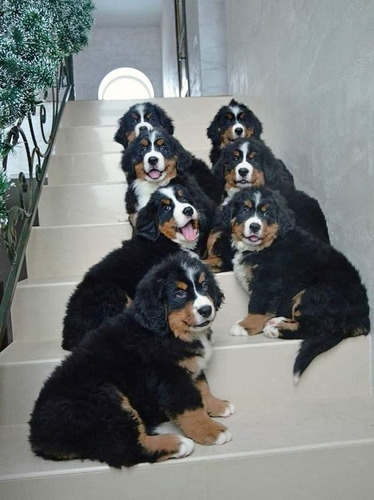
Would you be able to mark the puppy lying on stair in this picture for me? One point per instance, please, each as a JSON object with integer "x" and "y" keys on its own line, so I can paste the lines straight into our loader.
{"x": 141, "y": 368}
{"x": 299, "y": 286}
{"x": 176, "y": 217}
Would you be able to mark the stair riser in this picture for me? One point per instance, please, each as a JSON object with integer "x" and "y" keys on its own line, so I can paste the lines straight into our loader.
{"x": 107, "y": 113}
{"x": 38, "y": 311}
{"x": 334, "y": 472}
{"x": 87, "y": 204}
{"x": 251, "y": 377}
{"x": 84, "y": 169}
{"x": 78, "y": 140}
{"x": 94, "y": 168}
{"x": 71, "y": 250}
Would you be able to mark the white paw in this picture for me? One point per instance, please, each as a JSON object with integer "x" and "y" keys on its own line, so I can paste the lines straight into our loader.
{"x": 230, "y": 410}
{"x": 223, "y": 437}
{"x": 185, "y": 448}
{"x": 238, "y": 331}
{"x": 271, "y": 327}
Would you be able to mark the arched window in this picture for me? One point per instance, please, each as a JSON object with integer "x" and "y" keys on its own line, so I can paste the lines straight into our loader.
{"x": 125, "y": 83}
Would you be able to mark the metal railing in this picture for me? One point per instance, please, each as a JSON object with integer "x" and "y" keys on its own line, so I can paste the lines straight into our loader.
{"x": 36, "y": 147}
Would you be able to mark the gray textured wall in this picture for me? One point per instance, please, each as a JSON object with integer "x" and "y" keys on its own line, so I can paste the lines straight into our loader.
{"x": 111, "y": 48}
{"x": 306, "y": 68}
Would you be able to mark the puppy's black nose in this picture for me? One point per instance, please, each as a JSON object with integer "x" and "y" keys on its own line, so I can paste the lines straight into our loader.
{"x": 153, "y": 160}
{"x": 188, "y": 211}
{"x": 205, "y": 311}
{"x": 238, "y": 131}
{"x": 254, "y": 227}
{"x": 243, "y": 172}
{"x": 143, "y": 127}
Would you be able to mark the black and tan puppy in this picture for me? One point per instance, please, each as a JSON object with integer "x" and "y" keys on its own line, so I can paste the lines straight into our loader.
{"x": 141, "y": 368}
{"x": 299, "y": 286}
{"x": 175, "y": 218}
{"x": 232, "y": 122}
{"x": 140, "y": 117}
{"x": 249, "y": 162}
{"x": 152, "y": 160}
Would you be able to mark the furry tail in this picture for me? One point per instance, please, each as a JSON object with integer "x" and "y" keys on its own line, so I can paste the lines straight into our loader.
{"x": 311, "y": 348}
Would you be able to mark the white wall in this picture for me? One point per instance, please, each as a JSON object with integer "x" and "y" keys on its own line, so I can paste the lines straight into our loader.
{"x": 206, "y": 38}
{"x": 169, "y": 50}
{"x": 306, "y": 68}
{"x": 113, "y": 47}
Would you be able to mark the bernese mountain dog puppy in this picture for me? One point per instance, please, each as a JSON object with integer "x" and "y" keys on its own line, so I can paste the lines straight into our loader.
{"x": 249, "y": 162}
{"x": 175, "y": 218}
{"x": 142, "y": 116}
{"x": 154, "y": 158}
{"x": 232, "y": 122}
{"x": 140, "y": 368}
{"x": 299, "y": 286}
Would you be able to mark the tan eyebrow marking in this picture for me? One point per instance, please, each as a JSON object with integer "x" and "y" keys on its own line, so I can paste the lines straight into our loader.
{"x": 166, "y": 201}
{"x": 248, "y": 203}
{"x": 201, "y": 278}
{"x": 144, "y": 142}
{"x": 180, "y": 193}
{"x": 229, "y": 116}
{"x": 148, "y": 116}
{"x": 264, "y": 208}
{"x": 236, "y": 153}
{"x": 160, "y": 142}
{"x": 181, "y": 285}
{"x": 252, "y": 155}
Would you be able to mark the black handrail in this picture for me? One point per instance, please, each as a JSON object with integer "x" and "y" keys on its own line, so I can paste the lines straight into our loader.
{"x": 30, "y": 187}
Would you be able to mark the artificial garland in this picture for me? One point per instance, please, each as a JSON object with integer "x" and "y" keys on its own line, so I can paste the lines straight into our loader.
{"x": 34, "y": 36}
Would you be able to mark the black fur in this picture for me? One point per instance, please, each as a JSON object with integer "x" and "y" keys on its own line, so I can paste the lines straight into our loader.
{"x": 222, "y": 128}
{"x": 169, "y": 159}
{"x": 141, "y": 116}
{"x": 295, "y": 276}
{"x": 105, "y": 399}
{"x": 107, "y": 287}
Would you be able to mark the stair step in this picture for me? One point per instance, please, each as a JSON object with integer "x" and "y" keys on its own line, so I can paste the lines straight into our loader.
{"x": 103, "y": 113}
{"x": 94, "y": 168}
{"x": 78, "y": 140}
{"x": 255, "y": 368}
{"x": 71, "y": 250}
{"x": 319, "y": 446}
{"x": 90, "y": 168}
{"x": 79, "y": 204}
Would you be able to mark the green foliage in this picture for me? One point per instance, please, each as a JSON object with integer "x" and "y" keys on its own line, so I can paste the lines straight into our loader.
{"x": 34, "y": 36}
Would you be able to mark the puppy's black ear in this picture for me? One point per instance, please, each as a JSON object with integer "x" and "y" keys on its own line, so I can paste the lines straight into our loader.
{"x": 126, "y": 163}
{"x": 226, "y": 216}
{"x": 285, "y": 214}
{"x": 184, "y": 158}
{"x": 149, "y": 307}
{"x": 219, "y": 168}
{"x": 120, "y": 135}
{"x": 146, "y": 222}
{"x": 166, "y": 123}
{"x": 257, "y": 126}
{"x": 213, "y": 132}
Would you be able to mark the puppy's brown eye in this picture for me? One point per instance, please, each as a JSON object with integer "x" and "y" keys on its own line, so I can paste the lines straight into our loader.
{"x": 181, "y": 294}
{"x": 205, "y": 285}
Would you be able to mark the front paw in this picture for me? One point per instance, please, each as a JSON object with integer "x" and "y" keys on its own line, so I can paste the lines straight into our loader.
{"x": 219, "y": 408}
{"x": 197, "y": 425}
{"x": 238, "y": 331}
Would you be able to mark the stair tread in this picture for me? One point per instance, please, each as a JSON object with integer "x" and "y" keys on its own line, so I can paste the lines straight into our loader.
{"x": 296, "y": 427}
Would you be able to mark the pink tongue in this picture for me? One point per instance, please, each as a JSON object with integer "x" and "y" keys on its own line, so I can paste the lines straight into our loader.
{"x": 254, "y": 238}
{"x": 154, "y": 174}
{"x": 189, "y": 232}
